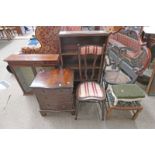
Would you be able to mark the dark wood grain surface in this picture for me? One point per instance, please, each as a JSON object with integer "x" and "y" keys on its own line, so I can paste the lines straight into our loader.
{"x": 82, "y": 33}
{"x": 32, "y": 57}
{"x": 70, "y": 41}
{"x": 56, "y": 78}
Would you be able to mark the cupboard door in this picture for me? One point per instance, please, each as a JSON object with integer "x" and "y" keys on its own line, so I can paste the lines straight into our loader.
{"x": 25, "y": 77}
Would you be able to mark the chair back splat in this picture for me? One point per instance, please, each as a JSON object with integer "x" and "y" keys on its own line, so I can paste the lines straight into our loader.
{"x": 91, "y": 62}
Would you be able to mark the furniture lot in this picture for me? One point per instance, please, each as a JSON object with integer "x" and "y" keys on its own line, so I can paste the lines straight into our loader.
{"x": 78, "y": 52}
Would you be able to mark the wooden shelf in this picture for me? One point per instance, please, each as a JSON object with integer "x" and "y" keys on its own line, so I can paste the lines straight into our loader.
{"x": 69, "y": 53}
{"x": 69, "y": 48}
{"x": 83, "y": 33}
{"x": 75, "y": 67}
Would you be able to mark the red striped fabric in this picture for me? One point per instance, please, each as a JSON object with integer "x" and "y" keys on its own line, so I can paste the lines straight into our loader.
{"x": 96, "y": 50}
{"x": 90, "y": 90}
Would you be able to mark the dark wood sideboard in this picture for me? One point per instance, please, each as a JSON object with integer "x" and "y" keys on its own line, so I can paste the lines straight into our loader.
{"x": 54, "y": 90}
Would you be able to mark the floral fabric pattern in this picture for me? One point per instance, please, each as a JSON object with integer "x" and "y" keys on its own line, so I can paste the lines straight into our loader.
{"x": 48, "y": 37}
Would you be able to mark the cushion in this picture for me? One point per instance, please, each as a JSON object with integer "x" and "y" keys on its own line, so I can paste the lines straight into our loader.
{"x": 128, "y": 91}
{"x": 111, "y": 101}
{"x": 91, "y": 50}
{"x": 116, "y": 77}
{"x": 90, "y": 90}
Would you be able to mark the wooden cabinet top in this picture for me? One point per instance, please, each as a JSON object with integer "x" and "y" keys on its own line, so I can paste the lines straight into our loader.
{"x": 32, "y": 57}
{"x": 82, "y": 33}
{"x": 57, "y": 78}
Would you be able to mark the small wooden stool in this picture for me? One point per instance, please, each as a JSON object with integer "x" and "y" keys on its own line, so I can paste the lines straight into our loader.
{"x": 125, "y": 97}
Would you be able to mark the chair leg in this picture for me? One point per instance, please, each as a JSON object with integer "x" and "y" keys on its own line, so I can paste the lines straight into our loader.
{"x": 103, "y": 109}
{"x": 109, "y": 113}
{"x": 106, "y": 85}
{"x": 106, "y": 102}
{"x": 76, "y": 109}
{"x": 136, "y": 114}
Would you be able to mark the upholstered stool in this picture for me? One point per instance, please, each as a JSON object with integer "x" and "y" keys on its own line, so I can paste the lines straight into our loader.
{"x": 125, "y": 97}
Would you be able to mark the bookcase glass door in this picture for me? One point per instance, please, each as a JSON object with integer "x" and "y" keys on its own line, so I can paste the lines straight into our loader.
{"x": 25, "y": 77}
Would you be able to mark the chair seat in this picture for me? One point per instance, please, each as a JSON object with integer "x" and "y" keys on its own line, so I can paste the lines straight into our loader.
{"x": 122, "y": 104}
{"x": 114, "y": 76}
{"x": 128, "y": 91}
{"x": 90, "y": 91}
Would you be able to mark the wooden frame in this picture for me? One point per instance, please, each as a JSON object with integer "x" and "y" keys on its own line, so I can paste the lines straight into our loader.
{"x": 54, "y": 91}
{"x": 83, "y": 53}
{"x": 150, "y": 90}
{"x": 135, "y": 110}
{"x": 31, "y": 61}
{"x": 70, "y": 40}
{"x": 86, "y": 65}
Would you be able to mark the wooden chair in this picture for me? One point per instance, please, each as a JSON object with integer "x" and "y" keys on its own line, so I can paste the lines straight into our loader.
{"x": 9, "y": 32}
{"x": 48, "y": 37}
{"x": 2, "y": 35}
{"x": 5, "y": 34}
{"x": 127, "y": 52}
{"x": 90, "y": 89}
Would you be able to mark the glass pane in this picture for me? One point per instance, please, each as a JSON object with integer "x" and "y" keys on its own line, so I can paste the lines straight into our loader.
{"x": 25, "y": 76}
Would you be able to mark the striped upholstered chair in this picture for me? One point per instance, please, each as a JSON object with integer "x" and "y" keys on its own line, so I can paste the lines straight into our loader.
{"x": 90, "y": 90}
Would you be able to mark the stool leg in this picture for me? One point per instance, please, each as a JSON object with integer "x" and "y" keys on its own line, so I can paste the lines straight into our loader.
{"x": 76, "y": 109}
{"x": 136, "y": 114}
{"x": 109, "y": 111}
{"x": 43, "y": 113}
{"x": 106, "y": 85}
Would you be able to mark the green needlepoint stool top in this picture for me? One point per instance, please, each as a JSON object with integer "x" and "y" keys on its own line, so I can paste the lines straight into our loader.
{"x": 125, "y": 97}
{"x": 128, "y": 91}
